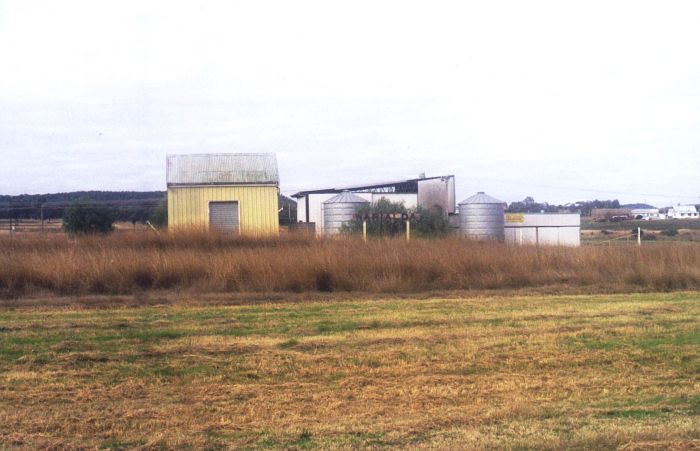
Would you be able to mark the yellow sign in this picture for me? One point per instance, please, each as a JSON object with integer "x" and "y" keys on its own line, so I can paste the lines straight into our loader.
{"x": 515, "y": 217}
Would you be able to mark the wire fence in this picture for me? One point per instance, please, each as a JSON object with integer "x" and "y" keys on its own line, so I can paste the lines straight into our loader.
{"x": 47, "y": 218}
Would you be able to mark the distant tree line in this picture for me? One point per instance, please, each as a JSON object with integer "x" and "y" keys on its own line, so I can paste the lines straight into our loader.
{"x": 131, "y": 206}
{"x": 134, "y": 206}
{"x": 529, "y": 205}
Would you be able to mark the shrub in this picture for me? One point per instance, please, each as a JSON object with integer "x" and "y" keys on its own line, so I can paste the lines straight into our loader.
{"x": 388, "y": 219}
{"x": 88, "y": 218}
{"x": 432, "y": 223}
{"x": 670, "y": 232}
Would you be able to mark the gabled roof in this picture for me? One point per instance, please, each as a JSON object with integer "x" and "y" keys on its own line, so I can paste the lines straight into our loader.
{"x": 222, "y": 169}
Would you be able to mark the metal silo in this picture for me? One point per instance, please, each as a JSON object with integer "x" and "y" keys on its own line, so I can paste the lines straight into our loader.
{"x": 340, "y": 209}
{"x": 482, "y": 217}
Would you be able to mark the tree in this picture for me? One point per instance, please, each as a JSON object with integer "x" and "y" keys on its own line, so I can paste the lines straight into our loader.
{"x": 386, "y": 218}
{"x": 159, "y": 218}
{"x": 88, "y": 218}
{"x": 432, "y": 223}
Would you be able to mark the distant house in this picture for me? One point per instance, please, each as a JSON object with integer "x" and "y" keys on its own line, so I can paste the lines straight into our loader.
{"x": 230, "y": 193}
{"x": 683, "y": 212}
{"x": 647, "y": 214}
{"x": 611, "y": 214}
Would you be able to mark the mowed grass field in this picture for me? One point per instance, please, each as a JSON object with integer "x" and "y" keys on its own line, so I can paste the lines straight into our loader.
{"x": 586, "y": 371}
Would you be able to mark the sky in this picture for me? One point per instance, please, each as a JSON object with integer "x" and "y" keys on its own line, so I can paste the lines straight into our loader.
{"x": 561, "y": 101}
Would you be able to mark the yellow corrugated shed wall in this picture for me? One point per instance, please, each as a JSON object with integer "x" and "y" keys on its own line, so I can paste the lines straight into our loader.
{"x": 188, "y": 206}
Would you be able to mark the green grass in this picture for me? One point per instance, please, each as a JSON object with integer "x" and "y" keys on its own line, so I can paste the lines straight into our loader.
{"x": 677, "y": 224}
{"x": 586, "y": 371}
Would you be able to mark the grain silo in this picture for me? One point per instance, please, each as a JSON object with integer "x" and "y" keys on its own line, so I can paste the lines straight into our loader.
{"x": 482, "y": 217}
{"x": 339, "y": 210}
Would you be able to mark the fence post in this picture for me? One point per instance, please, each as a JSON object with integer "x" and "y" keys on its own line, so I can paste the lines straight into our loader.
{"x": 639, "y": 236}
{"x": 408, "y": 230}
{"x": 42, "y": 217}
{"x": 364, "y": 230}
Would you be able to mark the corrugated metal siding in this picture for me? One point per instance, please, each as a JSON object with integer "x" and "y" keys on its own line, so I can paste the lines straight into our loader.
{"x": 189, "y": 207}
{"x": 223, "y": 168}
{"x": 223, "y": 217}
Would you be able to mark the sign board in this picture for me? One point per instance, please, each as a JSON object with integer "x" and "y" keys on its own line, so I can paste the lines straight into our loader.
{"x": 515, "y": 217}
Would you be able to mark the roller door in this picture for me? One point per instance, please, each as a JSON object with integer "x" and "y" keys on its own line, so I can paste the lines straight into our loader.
{"x": 224, "y": 217}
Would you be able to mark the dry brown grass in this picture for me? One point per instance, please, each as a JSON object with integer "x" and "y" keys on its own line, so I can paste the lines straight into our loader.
{"x": 196, "y": 262}
{"x": 581, "y": 372}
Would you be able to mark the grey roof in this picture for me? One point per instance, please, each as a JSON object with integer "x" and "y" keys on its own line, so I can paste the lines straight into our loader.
{"x": 400, "y": 186}
{"x": 346, "y": 197}
{"x": 481, "y": 198}
{"x": 222, "y": 169}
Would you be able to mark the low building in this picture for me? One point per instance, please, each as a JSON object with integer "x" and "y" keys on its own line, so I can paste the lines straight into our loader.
{"x": 428, "y": 192}
{"x": 647, "y": 214}
{"x": 553, "y": 229}
{"x": 230, "y": 193}
{"x": 683, "y": 212}
{"x": 611, "y": 214}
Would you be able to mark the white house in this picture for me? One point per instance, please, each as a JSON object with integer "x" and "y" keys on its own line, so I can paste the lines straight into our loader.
{"x": 647, "y": 214}
{"x": 683, "y": 212}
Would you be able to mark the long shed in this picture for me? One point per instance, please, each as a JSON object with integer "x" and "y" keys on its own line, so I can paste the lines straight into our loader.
{"x": 435, "y": 193}
{"x": 553, "y": 229}
{"x": 226, "y": 192}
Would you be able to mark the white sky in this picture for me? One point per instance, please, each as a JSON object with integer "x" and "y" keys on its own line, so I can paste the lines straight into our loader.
{"x": 558, "y": 100}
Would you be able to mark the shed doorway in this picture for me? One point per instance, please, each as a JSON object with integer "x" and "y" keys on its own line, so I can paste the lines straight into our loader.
{"x": 224, "y": 217}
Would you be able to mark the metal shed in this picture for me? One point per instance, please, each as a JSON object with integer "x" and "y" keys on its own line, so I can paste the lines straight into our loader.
{"x": 553, "y": 229}
{"x": 434, "y": 193}
{"x": 228, "y": 193}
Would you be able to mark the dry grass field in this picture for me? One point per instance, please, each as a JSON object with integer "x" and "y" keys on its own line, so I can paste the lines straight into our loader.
{"x": 202, "y": 263}
{"x": 585, "y": 371}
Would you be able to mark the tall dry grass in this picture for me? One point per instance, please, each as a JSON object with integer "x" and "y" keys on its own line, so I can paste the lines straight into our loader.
{"x": 199, "y": 262}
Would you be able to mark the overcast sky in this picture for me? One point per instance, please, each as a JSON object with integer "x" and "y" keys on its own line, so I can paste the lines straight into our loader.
{"x": 558, "y": 100}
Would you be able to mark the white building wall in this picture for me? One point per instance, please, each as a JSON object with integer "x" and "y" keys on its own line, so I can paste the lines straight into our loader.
{"x": 301, "y": 209}
{"x": 545, "y": 229}
{"x": 316, "y": 209}
{"x": 437, "y": 192}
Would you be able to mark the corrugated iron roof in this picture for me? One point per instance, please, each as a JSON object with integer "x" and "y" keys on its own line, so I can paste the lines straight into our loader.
{"x": 222, "y": 169}
{"x": 370, "y": 186}
{"x": 346, "y": 197}
{"x": 481, "y": 198}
